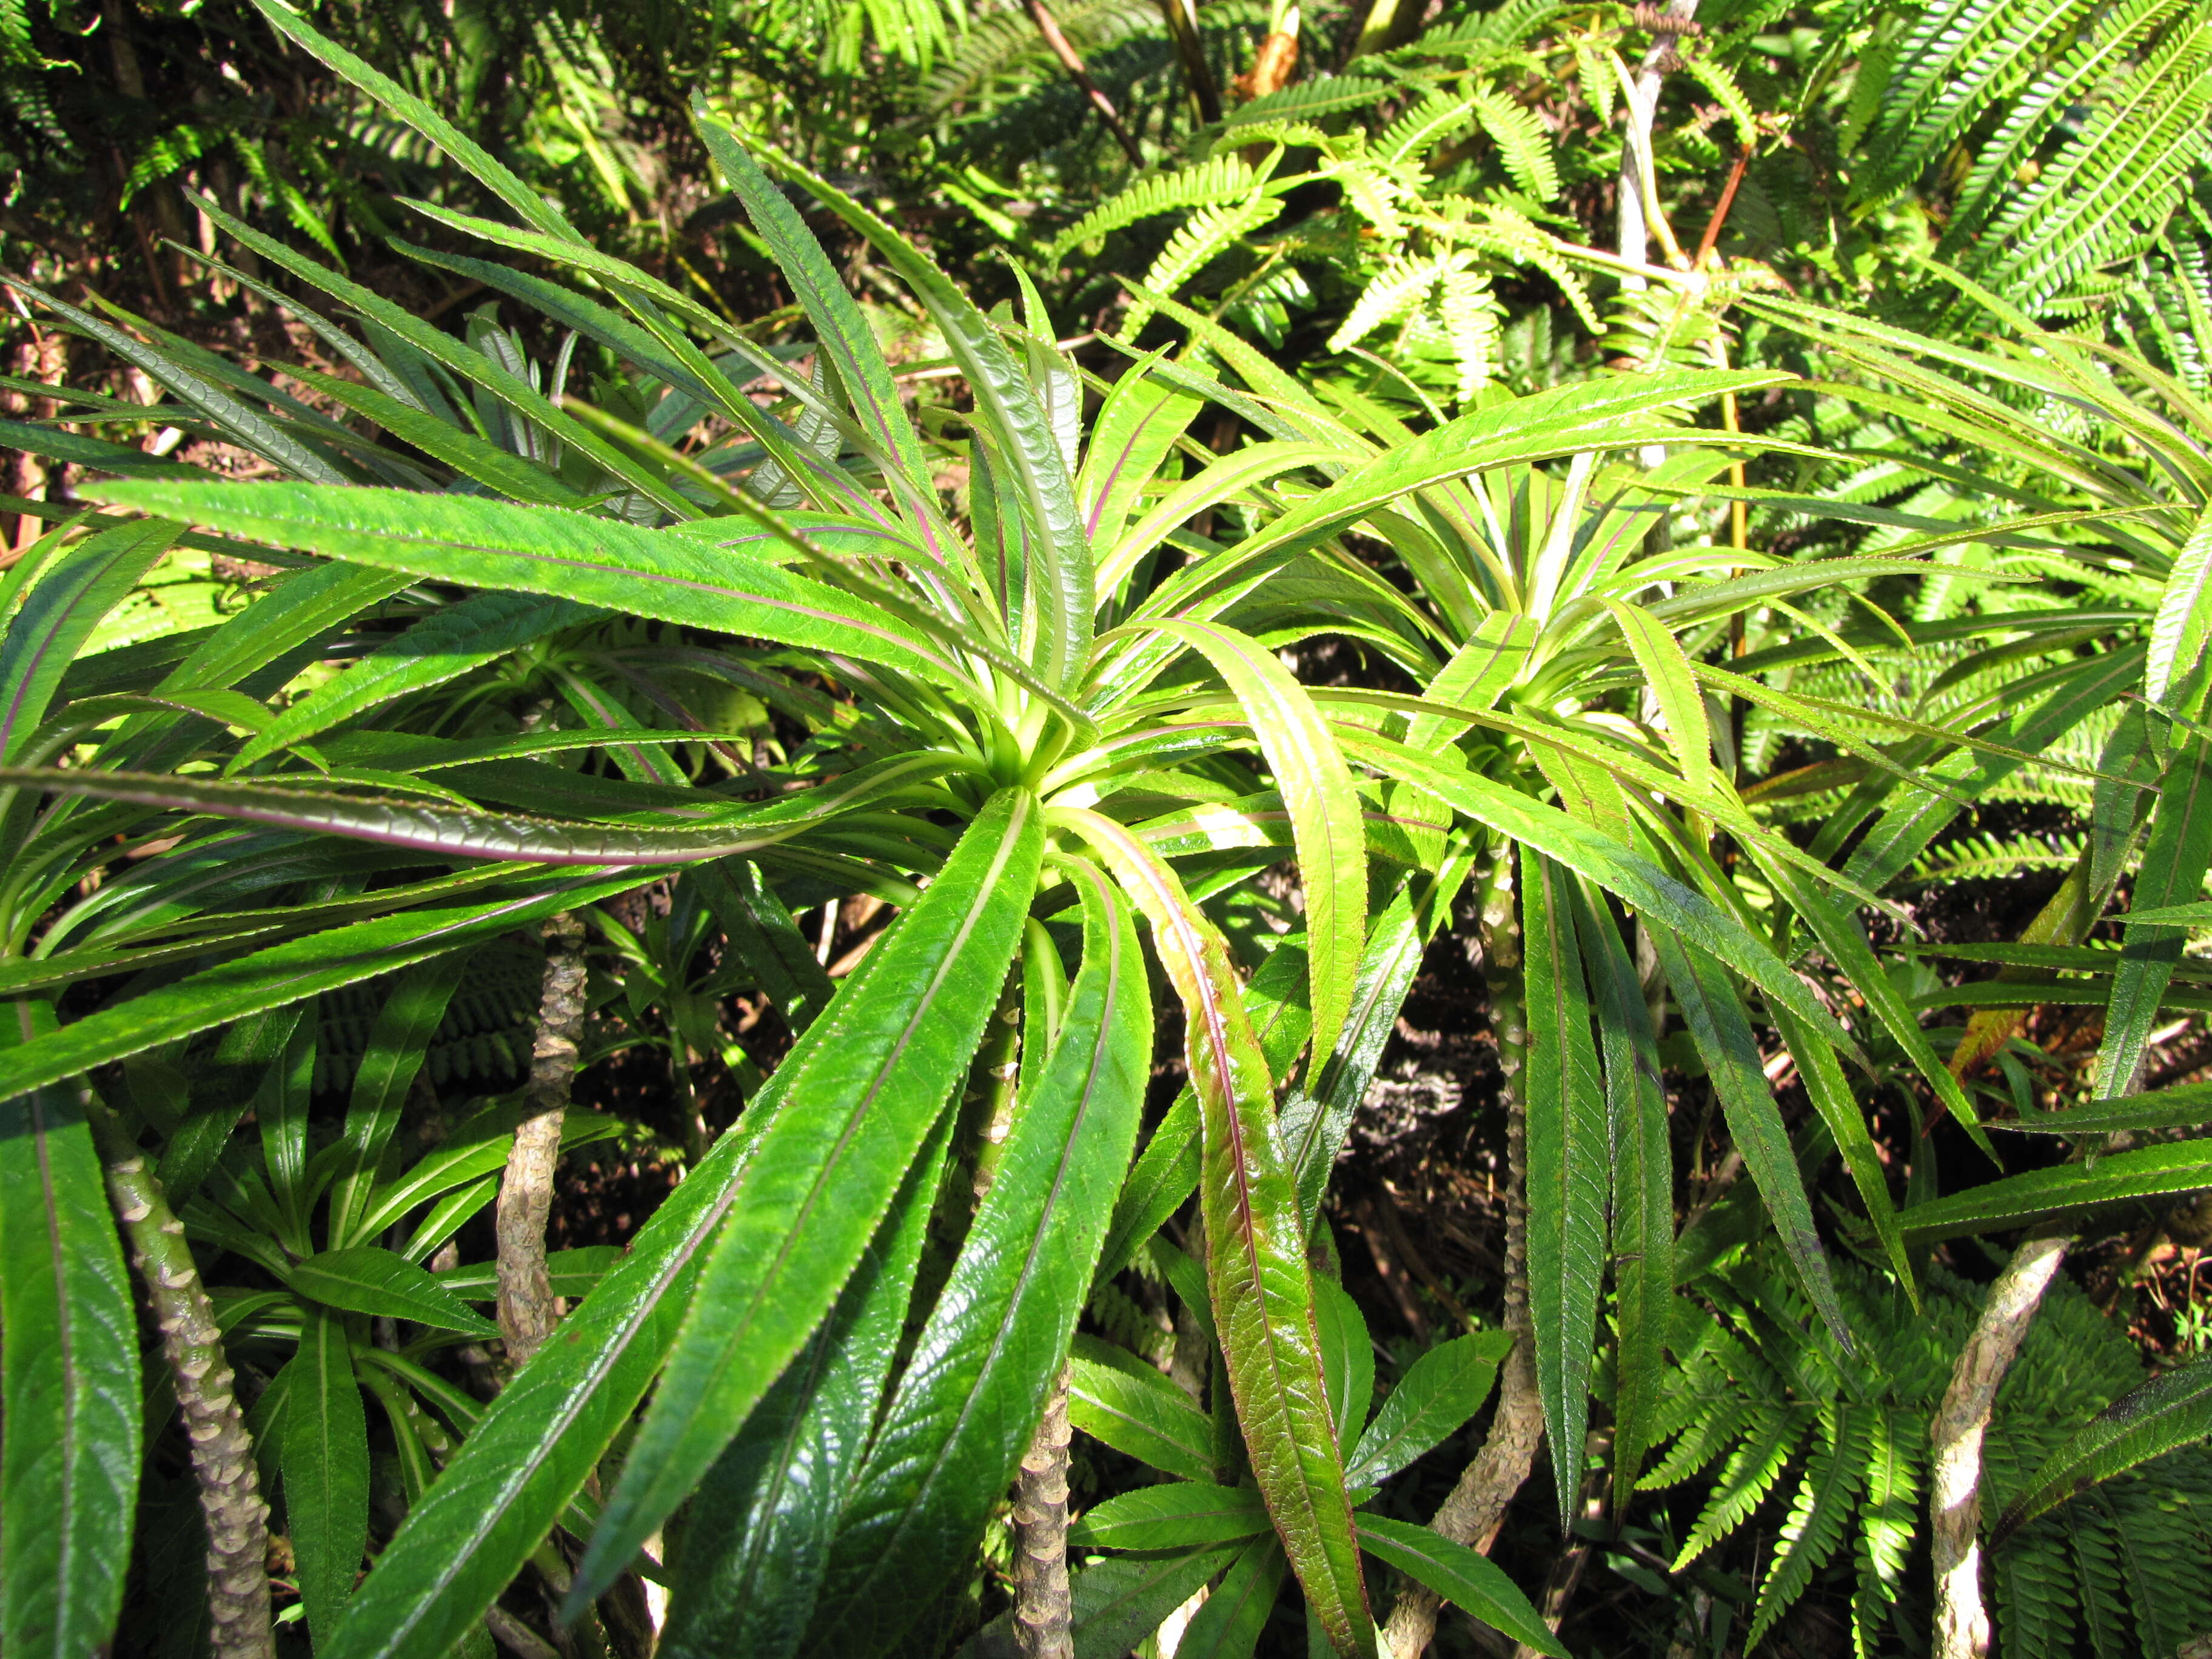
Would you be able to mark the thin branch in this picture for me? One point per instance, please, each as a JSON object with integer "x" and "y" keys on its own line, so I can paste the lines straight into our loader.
{"x": 231, "y": 1503}
{"x": 1072, "y": 61}
{"x": 1955, "y": 1499}
{"x": 527, "y": 1307}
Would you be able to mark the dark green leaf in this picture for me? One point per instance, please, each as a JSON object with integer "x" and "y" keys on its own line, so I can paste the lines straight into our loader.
{"x": 845, "y": 1128}
{"x": 1471, "y": 1583}
{"x": 1444, "y": 1388}
{"x": 287, "y": 974}
{"x": 1124, "y": 1403}
{"x": 365, "y": 1278}
{"x": 70, "y": 1411}
{"x": 1714, "y": 1012}
{"x": 968, "y": 1404}
{"x": 758, "y": 1540}
{"x": 1566, "y": 1181}
{"x": 324, "y": 1458}
{"x": 1229, "y": 1624}
{"x": 1172, "y": 1516}
{"x": 2148, "y": 1172}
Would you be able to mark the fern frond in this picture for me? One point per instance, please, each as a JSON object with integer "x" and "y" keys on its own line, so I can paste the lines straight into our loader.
{"x": 2035, "y": 1595}
{"x": 1957, "y": 61}
{"x": 1403, "y": 283}
{"x": 1523, "y": 145}
{"x": 1818, "y": 1513}
{"x": 1309, "y": 101}
{"x": 1200, "y": 238}
{"x": 2103, "y": 1599}
{"x": 1421, "y": 128}
{"x": 2045, "y": 101}
{"x": 1717, "y": 1427}
{"x": 1751, "y": 1472}
{"x": 1887, "y": 1520}
{"x": 1472, "y": 317}
{"x": 1374, "y": 195}
{"x": 1225, "y": 179}
{"x": 1715, "y": 76}
{"x": 2122, "y": 172}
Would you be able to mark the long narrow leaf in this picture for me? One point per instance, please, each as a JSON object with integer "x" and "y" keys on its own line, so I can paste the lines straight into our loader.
{"x": 69, "y": 1376}
{"x": 845, "y": 1128}
{"x": 1566, "y": 1185}
{"x": 1256, "y": 1271}
{"x": 969, "y": 1401}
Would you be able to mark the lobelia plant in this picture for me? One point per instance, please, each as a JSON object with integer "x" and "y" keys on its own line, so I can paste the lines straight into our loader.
{"x": 1027, "y": 697}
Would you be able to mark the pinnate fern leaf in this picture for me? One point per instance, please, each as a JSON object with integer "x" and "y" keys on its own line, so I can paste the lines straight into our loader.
{"x": 1818, "y": 1513}
{"x": 1225, "y": 180}
{"x": 1752, "y": 1470}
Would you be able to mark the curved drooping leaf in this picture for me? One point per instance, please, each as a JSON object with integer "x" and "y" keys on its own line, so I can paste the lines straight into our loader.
{"x": 968, "y": 1403}
{"x": 1667, "y": 903}
{"x": 760, "y": 1527}
{"x": 446, "y": 643}
{"x": 66, "y": 602}
{"x": 1566, "y": 1181}
{"x": 1721, "y": 1031}
{"x": 324, "y": 1454}
{"x": 1315, "y": 784}
{"x": 364, "y": 1278}
{"x": 2147, "y": 1172}
{"x": 847, "y": 1125}
{"x": 2181, "y": 1106}
{"x": 1473, "y": 1583}
{"x": 543, "y": 550}
{"x": 1256, "y": 1271}
{"x": 2172, "y": 1409}
{"x": 287, "y": 974}
{"x": 461, "y": 832}
{"x": 69, "y": 1376}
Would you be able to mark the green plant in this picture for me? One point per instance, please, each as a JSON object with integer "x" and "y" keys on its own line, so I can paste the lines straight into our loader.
{"x": 1834, "y": 1444}
{"x": 1199, "y": 1522}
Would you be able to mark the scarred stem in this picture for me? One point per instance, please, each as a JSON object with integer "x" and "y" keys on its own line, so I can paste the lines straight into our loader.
{"x": 1475, "y": 1509}
{"x": 527, "y": 1306}
{"x": 1954, "y": 1498}
{"x": 222, "y": 1452}
{"x": 1043, "y": 1610}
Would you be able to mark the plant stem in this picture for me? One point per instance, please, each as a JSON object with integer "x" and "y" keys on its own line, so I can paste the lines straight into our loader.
{"x": 1955, "y": 1499}
{"x": 1634, "y": 229}
{"x": 1476, "y": 1507}
{"x": 1072, "y": 61}
{"x": 1181, "y": 16}
{"x": 1043, "y": 1609}
{"x": 222, "y": 1452}
{"x": 527, "y": 1306}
